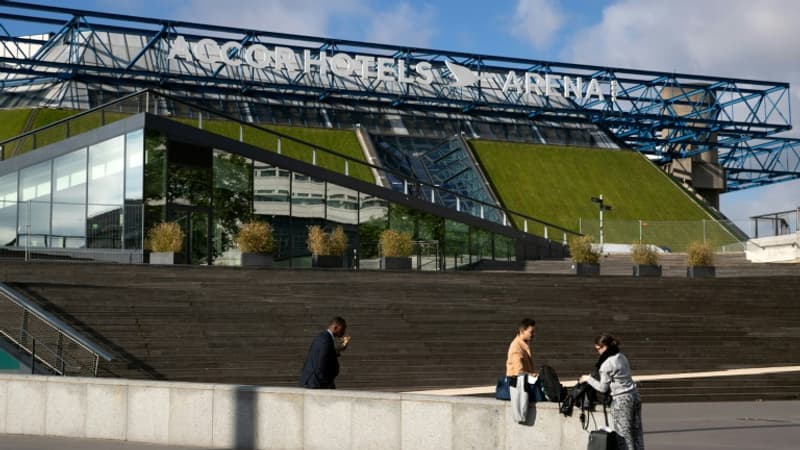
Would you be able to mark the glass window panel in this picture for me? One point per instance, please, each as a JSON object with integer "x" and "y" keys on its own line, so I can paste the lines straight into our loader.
{"x": 308, "y": 197}
{"x": 232, "y": 199}
{"x": 504, "y": 248}
{"x": 105, "y": 193}
{"x": 271, "y": 188}
{"x": 480, "y": 244}
{"x": 106, "y": 165}
{"x": 34, "y": 218}
{"x": 8, "y": 209}
{"x": 456, "y": 248}
{"x": 134, "y": 165}
{"x": 342, "y": 204}
{"x": 373, "y": 217}
{"x": 69, "y": 200}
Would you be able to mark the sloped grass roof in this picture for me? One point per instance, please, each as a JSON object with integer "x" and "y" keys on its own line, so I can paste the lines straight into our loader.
{"x": 556, "y": 184}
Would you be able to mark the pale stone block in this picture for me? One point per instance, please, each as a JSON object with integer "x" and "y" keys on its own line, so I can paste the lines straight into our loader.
{"x": 66, "y": 409}
{"x": 542, "y": 430}
{"x": 279, "y": 420}
{"x": 326, "y": 421}
{"x": 479, "y": 426}
{"x": 27, "y": 403}
{"x": 190, "y": 416}
{"x": 148, "y": 414}
{"x": 106, "y": 411}
{"x": 572, "y": 433}
{"x": 426, "y": 425}
{"x": 3, "y": 401}
{"x": 375, "y": 424}
{"x": 234, "y": 417}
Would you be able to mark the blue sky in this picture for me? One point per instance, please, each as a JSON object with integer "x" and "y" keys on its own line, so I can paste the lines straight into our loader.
{"x": 734, "y": 38}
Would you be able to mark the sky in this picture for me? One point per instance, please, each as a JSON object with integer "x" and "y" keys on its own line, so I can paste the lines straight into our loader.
{"x": 726, "y": 38}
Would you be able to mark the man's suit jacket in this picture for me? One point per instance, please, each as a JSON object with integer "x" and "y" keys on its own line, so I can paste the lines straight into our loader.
{"x": 322, "y": 364}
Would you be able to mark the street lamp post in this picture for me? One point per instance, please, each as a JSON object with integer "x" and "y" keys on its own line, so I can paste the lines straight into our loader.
{"x": 603, "y": 207}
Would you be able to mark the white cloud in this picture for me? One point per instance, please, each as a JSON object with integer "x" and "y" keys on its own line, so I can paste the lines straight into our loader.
{"x": 737, "y": 39}
{"x": 537, "y": 21}
{"x": 309, "y": 17}
{"x": 403, "y": 25}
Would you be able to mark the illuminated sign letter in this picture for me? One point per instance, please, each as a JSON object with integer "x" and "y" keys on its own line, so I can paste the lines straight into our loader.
{"x": 341, "y": 64}
{"x": 425, "y": 71}
{"x": 229, "y": 49}
{"x": 206, "y": 51}
{"x": 321, "y": 63}
{"x": 513, "y": 83}
{"x": 576, "y": 88}
{"x": 257, "y": 56}
{"x": 386, "y": 69}
{"x": 285, "y": 57}
{"x": 179, "y": 49}
{"x": 594, "y": 89}
{"x": 402, "y": 76}
{"x": 534, "y": 82}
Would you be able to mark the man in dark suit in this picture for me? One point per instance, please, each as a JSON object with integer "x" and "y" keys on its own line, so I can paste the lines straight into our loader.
{"x": 322, "y": 364}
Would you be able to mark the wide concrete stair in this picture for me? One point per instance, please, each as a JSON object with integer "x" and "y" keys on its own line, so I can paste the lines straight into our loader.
{"x": 414, "y": 331}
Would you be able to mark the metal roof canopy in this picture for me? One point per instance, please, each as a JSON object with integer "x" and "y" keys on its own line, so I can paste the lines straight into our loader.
{"x": 664, "y": 115}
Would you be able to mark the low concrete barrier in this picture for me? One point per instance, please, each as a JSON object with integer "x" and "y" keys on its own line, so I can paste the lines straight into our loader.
{"x": 230, "y": 416}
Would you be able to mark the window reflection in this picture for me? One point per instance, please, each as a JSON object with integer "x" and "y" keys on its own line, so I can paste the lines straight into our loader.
{"x": 308, "y": 197}
{"x": 271, "y": 188}
{"x": 34, "y": 221}
{"x": 69, "y": 200}
{"x": 8, "y": 209}
{"x": 106, "y": 191}
{"x": 134, "y": 165}
{"x": 342, "y": 204}
{"x": 373, "y": 217}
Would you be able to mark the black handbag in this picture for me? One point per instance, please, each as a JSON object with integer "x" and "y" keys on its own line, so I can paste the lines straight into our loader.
{"x": 602, "y": 440}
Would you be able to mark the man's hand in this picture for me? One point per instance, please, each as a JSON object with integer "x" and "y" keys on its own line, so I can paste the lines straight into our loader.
{"x": 344, "y": 343}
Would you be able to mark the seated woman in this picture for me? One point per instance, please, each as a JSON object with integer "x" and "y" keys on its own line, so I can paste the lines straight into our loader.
{"x": 626, "y": 405}
{"x": 520, "y": 356}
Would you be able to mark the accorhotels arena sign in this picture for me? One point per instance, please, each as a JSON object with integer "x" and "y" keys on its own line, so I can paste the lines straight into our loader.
{"x": 365, "y": 69}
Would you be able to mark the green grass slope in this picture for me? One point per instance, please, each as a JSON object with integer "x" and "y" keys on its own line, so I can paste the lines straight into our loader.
{"x": 556, "y": 184}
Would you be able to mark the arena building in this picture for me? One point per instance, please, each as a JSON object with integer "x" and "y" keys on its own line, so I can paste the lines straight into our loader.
{"x": 115, "y": 123}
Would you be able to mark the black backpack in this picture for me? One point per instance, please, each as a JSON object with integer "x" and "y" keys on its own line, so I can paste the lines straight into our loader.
{"x": 551, "y": 387}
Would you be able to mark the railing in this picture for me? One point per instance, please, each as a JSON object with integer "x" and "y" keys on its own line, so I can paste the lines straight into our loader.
{"x": 671, "y": 235}
{"x": 49, "y": 341}
{"x": 259, "y": 136}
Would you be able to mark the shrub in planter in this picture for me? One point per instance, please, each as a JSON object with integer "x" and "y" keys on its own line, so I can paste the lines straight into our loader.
{"x": 396, "y": 247}
{"x": 327, "y": 249}
{"x": 164, "y": 240}
{"x": 256, "y": 244}
{"x": 700, "y": 260}
{"x": 585, "y": 257}
{"x": 645, "y": 260}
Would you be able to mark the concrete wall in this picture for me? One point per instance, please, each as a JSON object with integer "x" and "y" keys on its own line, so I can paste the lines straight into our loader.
{"x": 229, "y": 416}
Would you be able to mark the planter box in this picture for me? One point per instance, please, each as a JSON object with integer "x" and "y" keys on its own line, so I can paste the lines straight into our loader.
{"x": 646, "y": 270}
{"x": 162, "y": 258}
{"x": 701, "y": 272}
{"x": 327, "y": 261}
{"x": 587, "y": 269}
{"x": 256, "y": 260}
{"x": 396, "y": 263}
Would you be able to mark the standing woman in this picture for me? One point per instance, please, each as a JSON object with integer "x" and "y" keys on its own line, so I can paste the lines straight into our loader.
{"x": 626, "y": 405}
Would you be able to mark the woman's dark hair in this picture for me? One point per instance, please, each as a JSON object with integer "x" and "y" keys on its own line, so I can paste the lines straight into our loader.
{"x": 526, "y": 322}
{"x": 608, "y": 340}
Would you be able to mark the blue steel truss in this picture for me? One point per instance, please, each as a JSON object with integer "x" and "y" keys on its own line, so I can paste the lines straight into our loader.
{"x": 663, "y": 115}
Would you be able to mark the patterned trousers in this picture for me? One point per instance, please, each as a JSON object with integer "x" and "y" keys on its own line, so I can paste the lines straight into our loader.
{"x": 626, "y": 417}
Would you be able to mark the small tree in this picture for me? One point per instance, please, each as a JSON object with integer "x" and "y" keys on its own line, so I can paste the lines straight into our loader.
{"x": 321, "y": 243}
{"x": 255, "y": 237}
{"x": 644, "y": 254}
{"x": 699, "y": 254}
{"x": 580, "y": 247}
{"x": 396, "y": 243}
{"x": 165, "y": 237}
{"x": 337, "y": 242}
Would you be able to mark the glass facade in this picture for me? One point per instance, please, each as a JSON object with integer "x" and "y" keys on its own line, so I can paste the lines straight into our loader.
{"x": 97, "y": 202}
{"x": 76, "y": 205}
